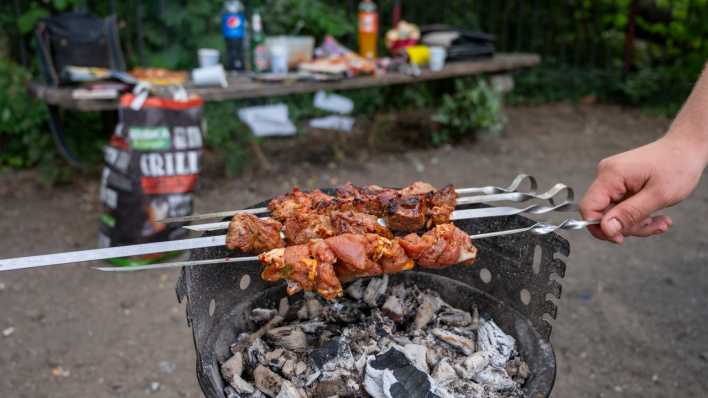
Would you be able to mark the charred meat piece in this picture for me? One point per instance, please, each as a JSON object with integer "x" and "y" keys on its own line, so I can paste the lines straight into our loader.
{"x": 303, "y": 226}
{"x": 283, "y": 206}
{"x": 251, "y": 234}
{"x": 441, "y": 247}
{"x": 417, "y": 188}
{"x": 441, "y": 204}
{"x": 368, "y": 255}
{"x": 357, "y": 223}
{"x": 406, "y": 213}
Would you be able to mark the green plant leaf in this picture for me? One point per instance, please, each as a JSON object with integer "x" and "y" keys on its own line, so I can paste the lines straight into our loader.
{"x": 30, "y": 17}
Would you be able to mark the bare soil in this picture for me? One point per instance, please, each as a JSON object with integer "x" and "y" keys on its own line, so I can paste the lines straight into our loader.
{"x": 632, "y": 320}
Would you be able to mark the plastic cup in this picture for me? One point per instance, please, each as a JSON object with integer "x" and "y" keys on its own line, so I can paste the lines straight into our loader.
{"x": 437, "y": 58}
{"x": 208, "y": 57}
{"x": 213, "y": 75}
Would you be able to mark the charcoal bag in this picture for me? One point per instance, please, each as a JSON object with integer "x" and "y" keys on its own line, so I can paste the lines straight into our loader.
{"x": 152, "y": 165}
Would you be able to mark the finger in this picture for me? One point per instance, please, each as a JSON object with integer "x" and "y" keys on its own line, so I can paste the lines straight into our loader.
{"x": 597, "y": 201}
{"x": 629, "y": 213}
{"x": 651, "y": 226}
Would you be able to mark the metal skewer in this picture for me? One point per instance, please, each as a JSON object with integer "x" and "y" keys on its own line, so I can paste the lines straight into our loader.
{"x": 539, "y": 228}
{"x": 456, "y": 215}
{"x": 488, "y": 190}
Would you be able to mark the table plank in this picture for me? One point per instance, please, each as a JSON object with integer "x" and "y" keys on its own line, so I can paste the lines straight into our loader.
{"x": 241, "y": 87}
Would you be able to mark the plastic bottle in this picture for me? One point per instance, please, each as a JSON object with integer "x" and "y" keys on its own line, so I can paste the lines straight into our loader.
{"x": 259, "y": 58}
{"x": 368, "y": 29}
{"x": 233, "y": 26}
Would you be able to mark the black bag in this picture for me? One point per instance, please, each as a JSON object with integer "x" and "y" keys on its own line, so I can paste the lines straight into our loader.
{"x": 78, "y": 39}
{"x": 152, "y": 167}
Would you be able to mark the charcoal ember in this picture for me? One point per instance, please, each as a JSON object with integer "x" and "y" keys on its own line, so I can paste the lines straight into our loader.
{"x": 392, "y": 375}
{"x": 300, "y": 368}
{"x": 492, "y": 339}
{"x": 275, "y": 358}
{"x": 255, "y": 353}
{"x": 495, "y": 378}
{"x": 283, "y": 307}
{"x": 473, "y": 364}
{"x": 302, "y": 313}
{"x": 429, "y": 305}
{"x": 393, "y": 308}
{"x": 417, "y": 354}
{"x": 232, "y": 366}
{"x": 314, "y": 307}
{"x": 262, "y": 315}
{"x": 288, "y": 390}
{"x": 288, "y": 369}
{"x": 333, "y": 354}
{"x": 344, "y": 312}
{"x": 517, "y": 369}
{"x": 267, "y": 381}
{"x": 356, "y": 289}
{"x": 312, "y": 327}
{"x": 400, "y": 290}
{"x": 444, "y": 373}
{"x": 375, "y": 290}
{"x": 461, "y": 343}
{"x": 230, "y": 392}
{"x": 454, "y": 317}
{"x": 339, "y": 382}
{"x": 474, "y": 325}
{"x": 466, "y": 388}
{"x": 289, "y": 337}
{"x": 231, "y": 370}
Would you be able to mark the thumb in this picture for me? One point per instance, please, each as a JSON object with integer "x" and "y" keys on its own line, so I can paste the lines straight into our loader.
{"x": 630, "y": 212}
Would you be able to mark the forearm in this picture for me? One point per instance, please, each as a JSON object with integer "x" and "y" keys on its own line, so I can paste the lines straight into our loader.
{"x": 689, "y": 131}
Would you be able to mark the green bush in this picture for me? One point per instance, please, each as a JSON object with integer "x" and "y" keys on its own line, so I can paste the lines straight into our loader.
{"x": 23, "y": 130}
{"x": 474, "y": 107}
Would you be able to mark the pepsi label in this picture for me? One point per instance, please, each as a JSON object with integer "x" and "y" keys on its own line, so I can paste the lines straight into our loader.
{"x": 232, "y": 25}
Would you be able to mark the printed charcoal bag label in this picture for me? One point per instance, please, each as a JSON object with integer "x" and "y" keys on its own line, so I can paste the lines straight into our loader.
{"x": 151, "y": 169}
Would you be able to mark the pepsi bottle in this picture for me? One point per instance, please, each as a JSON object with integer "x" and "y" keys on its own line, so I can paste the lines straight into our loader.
{"x": 233, "y": 26}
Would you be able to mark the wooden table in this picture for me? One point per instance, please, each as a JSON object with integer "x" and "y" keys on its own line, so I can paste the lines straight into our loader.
{"x": 241, "y": 87}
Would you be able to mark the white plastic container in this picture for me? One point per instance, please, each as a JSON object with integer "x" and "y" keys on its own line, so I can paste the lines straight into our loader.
{"x": 213, "y": 75}
{"x": 208, "y": 57}
{"x": 298, "y": 48}
{"x": 437, "y": 58}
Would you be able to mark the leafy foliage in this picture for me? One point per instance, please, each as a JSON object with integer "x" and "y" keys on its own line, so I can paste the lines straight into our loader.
{"x": 474, "y": 107}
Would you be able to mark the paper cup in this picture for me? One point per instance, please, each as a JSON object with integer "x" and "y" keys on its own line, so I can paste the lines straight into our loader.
{"x": 210, "y": 76}
{"x": 437, "y": 58}
{"x": 208, "y": 57}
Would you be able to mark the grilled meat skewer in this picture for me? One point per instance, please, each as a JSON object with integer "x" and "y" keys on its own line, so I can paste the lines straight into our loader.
{"x": 320, "y": 265}
{"x": 250, "y": 234}
{"x": 410, "y": 209}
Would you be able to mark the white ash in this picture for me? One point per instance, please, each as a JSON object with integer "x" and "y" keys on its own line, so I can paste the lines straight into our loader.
{"x": 379, "y": 340}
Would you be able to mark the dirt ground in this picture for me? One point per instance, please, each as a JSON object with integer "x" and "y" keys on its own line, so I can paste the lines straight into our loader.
{"x": 633, "y": 320}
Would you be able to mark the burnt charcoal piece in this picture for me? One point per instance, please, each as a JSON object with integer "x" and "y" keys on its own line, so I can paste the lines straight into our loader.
{"x": 492, "y": 339}
{"x": 333, "y": 354}
{"x": 289, "y": 337}
{"x": 392, "y": 374}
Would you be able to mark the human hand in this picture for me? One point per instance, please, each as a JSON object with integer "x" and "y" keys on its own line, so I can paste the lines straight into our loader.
{"x": 631, "y": 186}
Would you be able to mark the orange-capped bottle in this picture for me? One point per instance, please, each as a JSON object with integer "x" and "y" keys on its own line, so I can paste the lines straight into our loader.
{"x": 368, "y": 29}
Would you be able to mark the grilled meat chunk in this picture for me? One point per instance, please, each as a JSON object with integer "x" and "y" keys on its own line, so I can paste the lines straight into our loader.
{"x": 308, "y": 267}
{"x": 284, "y": 206}
{"x": 251, "y": 234}
{"x": 301, "y": 227}
{"x": 441, "y": 204}
{"x": 357, "y": 223}
{"x": 406, "y": 213}
{"x": 441, "y": 247}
